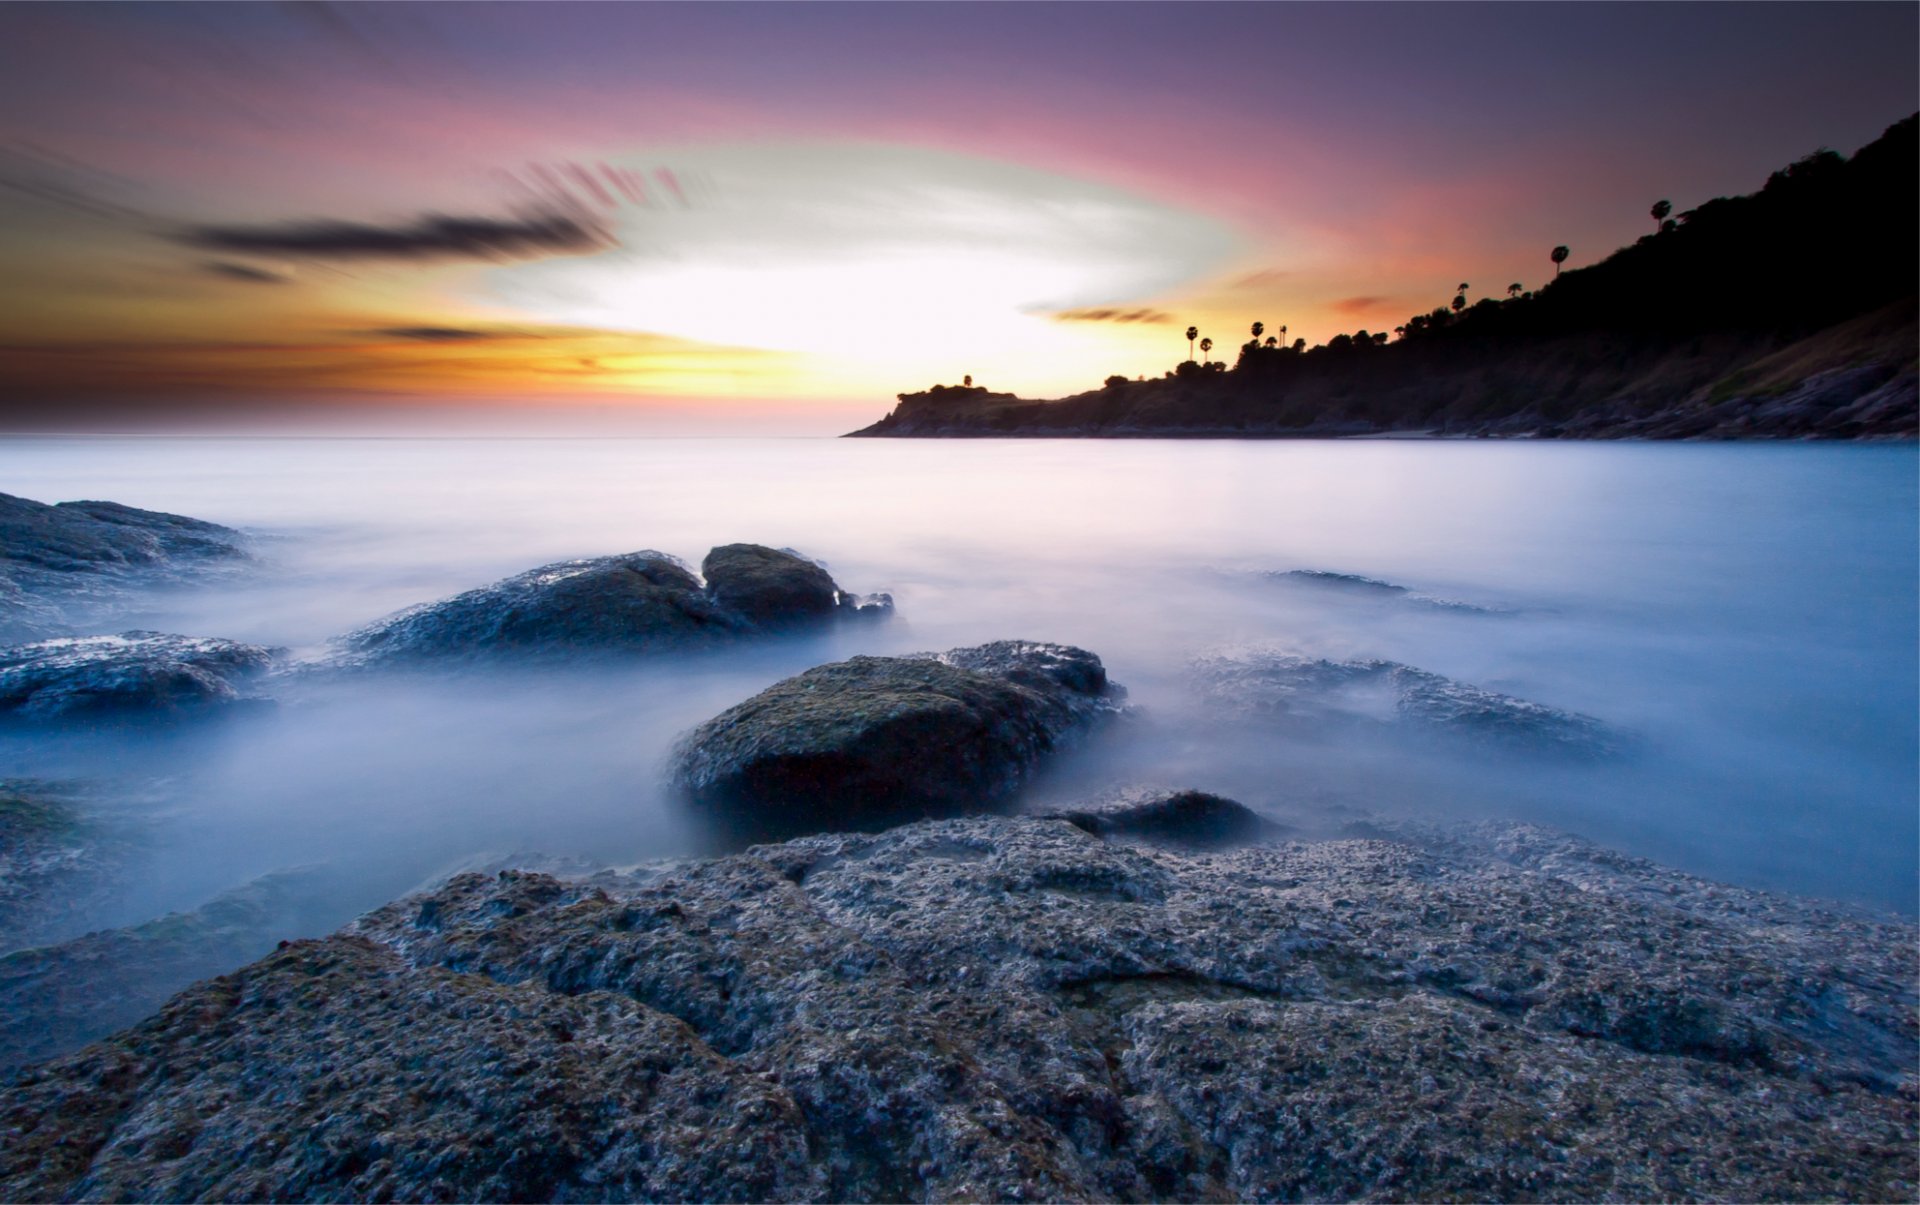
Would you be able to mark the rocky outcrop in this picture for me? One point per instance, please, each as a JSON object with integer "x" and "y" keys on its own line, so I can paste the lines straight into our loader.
{"x": 133, "y": 675}
{"x": 636, "y": 602}
{"x": 63, "y": 563}
{"x": 62, "y": 856}
{"x": 1014, "y": 1009}
{"x": 880, "y": 740}
{"x": 1352, "y": 585}
{"x": 1274, "y": 686}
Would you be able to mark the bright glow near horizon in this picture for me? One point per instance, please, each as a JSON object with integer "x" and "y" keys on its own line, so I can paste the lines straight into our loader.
{"x": 891, "y": 258}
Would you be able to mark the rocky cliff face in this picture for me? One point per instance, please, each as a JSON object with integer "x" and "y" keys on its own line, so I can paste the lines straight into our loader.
{"x": 1017, "y": 1009}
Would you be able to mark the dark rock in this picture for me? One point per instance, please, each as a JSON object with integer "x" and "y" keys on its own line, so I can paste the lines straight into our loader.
{"x": 881, "y": 740}
{"x": 1181, "y": 819}
{"x": 1373, "y": 588}
{"x": 1010, "y": 1009}
{"x": 1316, "y": 691}
{"x": 638, "y": 602}
{"x": 776, "y": 588}
{"x": 61, "y": 565}
{"x": 134, "y": 674}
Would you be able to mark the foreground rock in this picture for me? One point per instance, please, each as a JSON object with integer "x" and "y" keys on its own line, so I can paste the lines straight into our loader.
{"x": 638, "y": 602}
{"x": 60, "y": 564}
{"x": 1014, "y": 1009}
{"x": 1317, "y": 692}
{"x": 134, "y": 674}
{"x": 881, "y": 740}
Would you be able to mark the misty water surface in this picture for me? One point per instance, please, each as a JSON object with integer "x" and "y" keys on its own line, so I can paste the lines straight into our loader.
{"x": 1745, "y": 614}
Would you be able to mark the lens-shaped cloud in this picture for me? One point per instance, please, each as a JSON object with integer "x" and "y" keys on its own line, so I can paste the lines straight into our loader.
{"x": 873, "y": 250}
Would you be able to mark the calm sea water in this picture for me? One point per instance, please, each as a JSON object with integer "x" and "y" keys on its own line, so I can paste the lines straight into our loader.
{"x": 1746, "y": 614}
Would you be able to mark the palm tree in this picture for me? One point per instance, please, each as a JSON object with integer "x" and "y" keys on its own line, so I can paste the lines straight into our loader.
{"x": 1459, "y": 302}
{"x": 1206, "y": 346}
{"x": 1258, "y": 329}
{"x": 1283, "y": 333}
{"x": 1559, "y": 257}
{"x": 1660, "y": 211}
{"x": 1193, "y": 332}
{"x": 1464, "y": 286}
{"x": 1513, "y": 290}
{"x": 967, "y": 381}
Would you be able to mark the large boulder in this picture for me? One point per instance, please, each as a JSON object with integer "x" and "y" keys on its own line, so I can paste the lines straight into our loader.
{"x": 60, "y": 565}
{"x": 1314, "y": 692}
{"x": 635, "y": 602}
{"x": 132, "y": 675}
{"x": 1011, "y": 1009}
{"x": 874, "y": 741}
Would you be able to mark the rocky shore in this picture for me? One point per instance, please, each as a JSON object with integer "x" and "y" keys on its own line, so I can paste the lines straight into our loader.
{"x": 924, "y": 992}
{"x": 1017, "y": 1009}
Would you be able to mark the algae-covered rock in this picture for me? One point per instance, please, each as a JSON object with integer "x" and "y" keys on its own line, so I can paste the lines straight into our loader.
{"x": 1013, "y": 1009}
{"x": 882, "y": 740}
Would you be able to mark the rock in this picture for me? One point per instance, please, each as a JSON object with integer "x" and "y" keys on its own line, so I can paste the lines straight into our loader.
{"x": 880, "y": 740}
{"x": 636, "y": 602}
{"x": 57, "y": 997}
{"x": 1353, "y": 585}
{"x": 1180, "y": 819}
{"x": 61, "y": 565}
{"x": 776, "y": 588}
{"x": 1011, "y": 1009}
{"x": 134, "y": 674}
{"x": 1311, "y": 690}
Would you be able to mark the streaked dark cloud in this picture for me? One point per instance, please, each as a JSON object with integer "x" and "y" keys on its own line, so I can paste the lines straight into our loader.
{"x": 227, "y": 270}
{"x": 1354, "y": 307}
{"x": 434, "y": 334}
{"x": 431, "y": 236}
{"x": 1113, "y": 315}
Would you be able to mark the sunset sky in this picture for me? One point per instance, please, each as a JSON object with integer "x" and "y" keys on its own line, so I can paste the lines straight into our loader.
{"x": 778, "y": 216}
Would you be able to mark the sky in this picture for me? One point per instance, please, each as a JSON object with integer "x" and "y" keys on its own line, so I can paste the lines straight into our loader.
{"x": 774, "y": 217}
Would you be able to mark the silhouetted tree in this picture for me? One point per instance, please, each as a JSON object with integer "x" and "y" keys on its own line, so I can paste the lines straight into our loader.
{"x": 1115, "y": 381}
{"x": 1559, "y": 257}
{"x": 1271, "y": 340}
{"x": 1459, "y": 302}
{"x": 1283, "y": 332}
{"x": 1298, "y": 344}
{"x": 1258, "y": 329}
{"x": 1513, "y": 290}
{"x": 1206, "y": 348}
{"x": 1660, "y": 211}
{"x": 1464, "y": 286}
{"x": 1669, "y": 226}
{"x": 967, "y": 381}
{"x": 1193, "y": 332}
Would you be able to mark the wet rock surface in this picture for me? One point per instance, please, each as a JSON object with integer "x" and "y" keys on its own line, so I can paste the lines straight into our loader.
{"x": 60, "y": 563}
{"x": 880, "y": 740}
{"x": 636, "y": 602}
{"x": 1272, "y": 685}
{"x": 131, "y": 675}
{"x": 1013, "y": 1008}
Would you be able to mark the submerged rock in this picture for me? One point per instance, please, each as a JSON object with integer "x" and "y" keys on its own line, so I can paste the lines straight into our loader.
{"x": 1012, "y": 1009}
{"x": 1315, "y": 690}
{"x": 62, "y": 856}
{"x": 638, "y": 602}
{"x": 881, "y": 740}
{"x": 134, "y": 674}
{"x": 59, "y": 562}
{"x": 1373, "y": 588}
{"x": 1181, "y": 819}
{"x": 57, "y": 997}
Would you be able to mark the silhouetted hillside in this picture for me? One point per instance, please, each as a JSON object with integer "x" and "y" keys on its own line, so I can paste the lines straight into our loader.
{"x": 1788, "y": 312}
